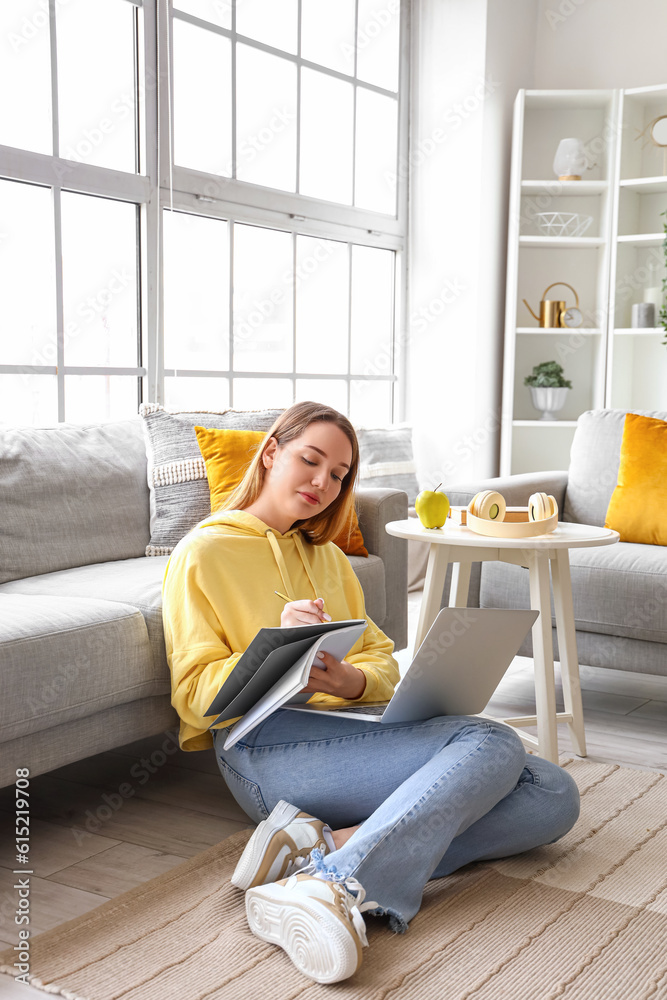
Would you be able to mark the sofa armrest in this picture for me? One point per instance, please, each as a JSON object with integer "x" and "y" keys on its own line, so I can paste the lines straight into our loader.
{"x": 516, "y": 489}
{"x": 376, "y": 506}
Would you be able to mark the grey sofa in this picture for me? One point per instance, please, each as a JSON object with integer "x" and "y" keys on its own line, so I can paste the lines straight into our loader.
{"x": 619, "y": 591}
{"x": 82, "y": 659}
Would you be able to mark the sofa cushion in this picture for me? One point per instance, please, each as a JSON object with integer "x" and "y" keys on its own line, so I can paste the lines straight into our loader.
{"x": 179, "y": 493}
{"x": 71, "y": 495}
{"x": 594, "y": 461}
{"x": 617, "y": 590}
{"x": 134, "y": 582}
{"x": 386, "y": 458}
{"x": 64, "y": 658}
{"x": 637, "y": 509}
{"x": 137, "y": 583}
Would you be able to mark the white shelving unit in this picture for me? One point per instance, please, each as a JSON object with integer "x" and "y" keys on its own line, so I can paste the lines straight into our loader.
{"x": 624, "y": 190}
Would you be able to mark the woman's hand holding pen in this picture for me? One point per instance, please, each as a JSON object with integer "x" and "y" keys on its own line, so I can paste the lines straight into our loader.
{"x": 304, "y": 613}
{"x": 328, "y": 675}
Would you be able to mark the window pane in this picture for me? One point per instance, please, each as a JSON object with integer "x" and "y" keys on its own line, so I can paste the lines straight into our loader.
{"x": 260, "y": 393}
{"x": 98, "y": 398}
{"x": 327, "y": 34}
{"x": 377, "y": 136}
{"x": 370, "y": 403}
{"x": 27, "y": 266}
{"x": 262, "y": 300}
{"x": 216, "y": 11}
{"x": 99, "y": 281}
{"x": 266, "y": 119}
{"x": 378, "y": 42}
{"x": 202, "y": 99}
{"x": 189, "y": 393}
{"x": 96, "y": 82}
{"x": 30, "y": 400}
{"x": 322, "y": 296}
{"x": 271, "y": 21}
{"x": 332, "y": 392}
{"x": 326, "y": 137}
{"x": 196, "y": 292}
{"x": 372, "y": 310}
{"x": 25, "y": 74}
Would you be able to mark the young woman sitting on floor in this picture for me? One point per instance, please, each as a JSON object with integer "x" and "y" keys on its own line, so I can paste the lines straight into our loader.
{"x": 349, "y": 811}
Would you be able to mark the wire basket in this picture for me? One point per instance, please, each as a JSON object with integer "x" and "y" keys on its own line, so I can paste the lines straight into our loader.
{"x": 563, "y": 223}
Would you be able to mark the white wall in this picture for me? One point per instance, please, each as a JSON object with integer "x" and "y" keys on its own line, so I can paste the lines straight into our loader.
{"x": 601, "y": 43}
{"x": 470, "y": 57}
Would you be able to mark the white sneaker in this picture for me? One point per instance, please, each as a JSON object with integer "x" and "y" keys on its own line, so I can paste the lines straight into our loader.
{"x": 317, "y": 922}
{"x": 280, "y": 846}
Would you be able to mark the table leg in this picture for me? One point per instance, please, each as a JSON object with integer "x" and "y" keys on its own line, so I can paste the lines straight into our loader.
{"x": 545, "y": 693}
{"x": 458, "y": 594}
{"x": 436, "y": 571}
{"x": 567, "y": 647}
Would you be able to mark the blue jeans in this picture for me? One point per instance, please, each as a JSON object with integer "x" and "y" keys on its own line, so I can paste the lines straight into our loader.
{"x": 430, "y": 796}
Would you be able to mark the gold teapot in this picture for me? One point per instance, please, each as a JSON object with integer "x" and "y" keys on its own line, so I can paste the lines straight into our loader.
{"x": 556, "y": 312}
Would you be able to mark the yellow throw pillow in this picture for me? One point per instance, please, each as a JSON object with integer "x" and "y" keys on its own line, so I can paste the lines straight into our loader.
{"x": 638, "y": 506}
{"x": 228, "y": 453}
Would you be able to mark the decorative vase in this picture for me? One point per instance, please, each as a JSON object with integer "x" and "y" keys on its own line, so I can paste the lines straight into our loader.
{"x": 570, "y": 160}
{"x": 548, "y": 399}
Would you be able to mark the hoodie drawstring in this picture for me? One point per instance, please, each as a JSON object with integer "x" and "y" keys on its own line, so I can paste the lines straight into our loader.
{"x": 282, "y": 566}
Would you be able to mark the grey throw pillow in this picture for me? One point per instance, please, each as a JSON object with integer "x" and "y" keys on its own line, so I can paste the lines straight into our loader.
{"x": 179, "y": 493}
{"x": 386, "y": 458}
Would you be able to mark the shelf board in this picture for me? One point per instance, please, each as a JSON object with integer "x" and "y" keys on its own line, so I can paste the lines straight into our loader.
{"x": 639, "y": 331}
{"x": 558, "y": 330}
{"x": 650, "y": 185}
{"x": 564, "y": 100}
{"x": 544, "y": 423}
{"x": 564, "y": 188}
{"x": 643, "y": 239}
{"x": 565, "y": 242}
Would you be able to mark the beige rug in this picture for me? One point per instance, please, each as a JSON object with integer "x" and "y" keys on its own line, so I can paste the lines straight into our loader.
{"x": 584, "y": 918}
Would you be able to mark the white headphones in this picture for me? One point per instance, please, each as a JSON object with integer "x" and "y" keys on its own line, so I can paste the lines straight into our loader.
{"x": 491, "y": 506}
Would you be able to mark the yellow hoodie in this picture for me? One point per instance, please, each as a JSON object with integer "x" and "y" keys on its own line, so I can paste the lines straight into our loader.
{"x": 218, "y": 592}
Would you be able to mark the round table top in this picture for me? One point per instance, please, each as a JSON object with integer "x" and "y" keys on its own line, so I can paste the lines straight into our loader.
{"x": 565, "y": 536}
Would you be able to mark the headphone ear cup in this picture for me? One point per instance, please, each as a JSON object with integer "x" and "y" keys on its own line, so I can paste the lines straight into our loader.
{"x": 488, "y": 505}
{"x": 540, "y": 506}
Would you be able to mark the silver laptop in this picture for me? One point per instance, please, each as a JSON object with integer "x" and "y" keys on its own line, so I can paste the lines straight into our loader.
{"x": 455, "y": 670}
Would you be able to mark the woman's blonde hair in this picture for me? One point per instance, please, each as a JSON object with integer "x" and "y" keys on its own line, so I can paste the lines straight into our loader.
{"x": 291, "y": 424}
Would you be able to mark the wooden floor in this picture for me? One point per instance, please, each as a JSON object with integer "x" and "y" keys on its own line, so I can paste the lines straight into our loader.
{"x": 89, "y": 843}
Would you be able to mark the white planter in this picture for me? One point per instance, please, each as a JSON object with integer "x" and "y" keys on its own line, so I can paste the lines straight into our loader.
{"x": 549, "y": 400}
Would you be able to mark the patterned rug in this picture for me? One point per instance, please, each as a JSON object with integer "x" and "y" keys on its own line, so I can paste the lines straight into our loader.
{"x": 583, "y": 918}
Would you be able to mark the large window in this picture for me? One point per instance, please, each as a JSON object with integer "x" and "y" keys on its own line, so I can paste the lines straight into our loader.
{"x": 200, "y": 205}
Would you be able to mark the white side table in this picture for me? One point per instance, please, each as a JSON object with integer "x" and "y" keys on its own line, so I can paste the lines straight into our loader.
{"x": 461, "y": 546}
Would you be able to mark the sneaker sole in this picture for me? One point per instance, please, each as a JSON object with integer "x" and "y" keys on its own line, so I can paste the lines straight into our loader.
{"x": 253, "y": 856}
{"x": 318, "y": 944}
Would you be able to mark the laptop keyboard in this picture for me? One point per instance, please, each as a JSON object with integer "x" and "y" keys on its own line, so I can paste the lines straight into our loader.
{"x": 364, "y": 709}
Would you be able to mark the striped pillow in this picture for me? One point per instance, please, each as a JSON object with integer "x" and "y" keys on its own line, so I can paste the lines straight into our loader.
{"x": 179, "y": 492}
{"x": 386, "y": 458}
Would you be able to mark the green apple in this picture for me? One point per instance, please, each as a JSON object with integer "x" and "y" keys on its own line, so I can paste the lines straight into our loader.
{"x": 432, "y": 507}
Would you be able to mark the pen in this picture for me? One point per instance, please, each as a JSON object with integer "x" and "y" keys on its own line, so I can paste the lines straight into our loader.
{"x": 327, "y": 617}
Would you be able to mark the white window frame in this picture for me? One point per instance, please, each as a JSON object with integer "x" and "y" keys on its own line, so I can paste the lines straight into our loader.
{"x": 198, "y": 193}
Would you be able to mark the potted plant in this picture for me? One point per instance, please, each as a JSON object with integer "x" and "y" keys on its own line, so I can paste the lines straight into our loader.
{"x": 548, "y": 388}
